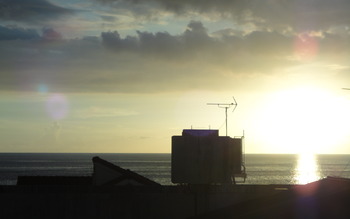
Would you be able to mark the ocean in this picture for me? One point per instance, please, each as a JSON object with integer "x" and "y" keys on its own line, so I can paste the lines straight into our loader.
{"x": 260, "y": 168}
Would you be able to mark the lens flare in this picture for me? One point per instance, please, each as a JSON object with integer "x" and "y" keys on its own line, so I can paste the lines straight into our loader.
{"x": 305, "y": 47}
{"x": 57, "y": 106}
{"x": 42, "y": 89}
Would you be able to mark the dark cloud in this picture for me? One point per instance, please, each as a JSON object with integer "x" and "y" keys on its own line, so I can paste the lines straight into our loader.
{"x": 195, "y": 42}
{"x": 162, "y": 44}
{"x": 17, "y": 33}
{"x": 51, "y": 34}
{"x": 303, "y": 15}
{"x": 180, "y": 6}
{"x": 153, "y": 62}
{"x": 33, "y": 11}
{"x": 297, "y": 15}
{"x": 112, "y": 40}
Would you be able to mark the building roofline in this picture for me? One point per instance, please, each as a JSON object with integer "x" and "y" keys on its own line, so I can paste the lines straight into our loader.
{"x": 126, "y": 174}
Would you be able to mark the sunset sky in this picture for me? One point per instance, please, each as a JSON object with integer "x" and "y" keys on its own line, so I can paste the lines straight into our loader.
{"x": 123, "y": 76}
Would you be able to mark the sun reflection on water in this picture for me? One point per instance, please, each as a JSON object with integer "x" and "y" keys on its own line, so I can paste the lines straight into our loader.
{"x": 307, "y": 169}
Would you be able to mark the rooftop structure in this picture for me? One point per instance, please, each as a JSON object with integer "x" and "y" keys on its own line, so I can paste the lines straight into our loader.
{"x": 104, "y": 174}
{"x": 204, "y": 157}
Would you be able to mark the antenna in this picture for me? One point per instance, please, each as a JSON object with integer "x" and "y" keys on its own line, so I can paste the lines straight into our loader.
{"x": 226, "y": 106}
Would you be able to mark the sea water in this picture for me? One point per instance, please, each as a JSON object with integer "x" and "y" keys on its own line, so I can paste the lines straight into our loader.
{"x": 260, "y": 168}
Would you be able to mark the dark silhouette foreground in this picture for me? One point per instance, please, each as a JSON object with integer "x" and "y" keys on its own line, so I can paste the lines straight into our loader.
{"x": 113, "y": 192}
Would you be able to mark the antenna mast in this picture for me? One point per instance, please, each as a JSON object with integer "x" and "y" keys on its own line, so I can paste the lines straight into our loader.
{"x": 226, "y": 106}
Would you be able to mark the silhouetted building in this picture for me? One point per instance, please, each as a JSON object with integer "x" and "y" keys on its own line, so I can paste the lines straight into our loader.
{"x": 113, "y": 192}
{"x": 106, "y": 173}
{"x": 204, "y": 157}
{"x": 55, "y": 180}
{"x": 326, "y": 198}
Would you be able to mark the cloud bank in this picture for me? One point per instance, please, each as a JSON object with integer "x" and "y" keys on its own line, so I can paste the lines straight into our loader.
{"x": 153, "y": 62}
{"x": 292, "y": 15}
{"x": 282, "y": 34}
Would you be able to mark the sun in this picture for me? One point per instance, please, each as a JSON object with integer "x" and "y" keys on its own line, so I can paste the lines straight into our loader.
{"x": 303, "y": 120}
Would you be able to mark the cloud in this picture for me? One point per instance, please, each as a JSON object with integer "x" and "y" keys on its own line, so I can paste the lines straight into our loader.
{"x": 158, "y": 62}
{"x": 295, "y": 15}
{"x": 17, "y": 33}
{"x": 195, "y": 44}
{"x": 51, "y": 34}
{"x": 162, "y": 44}
{"x": 34, "y": 11}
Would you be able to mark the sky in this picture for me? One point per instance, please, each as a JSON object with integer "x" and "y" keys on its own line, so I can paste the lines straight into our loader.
{"x": 123, "y": 76}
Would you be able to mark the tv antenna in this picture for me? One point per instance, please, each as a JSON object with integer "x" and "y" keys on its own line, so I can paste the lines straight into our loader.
{"x": 226, "y": 106}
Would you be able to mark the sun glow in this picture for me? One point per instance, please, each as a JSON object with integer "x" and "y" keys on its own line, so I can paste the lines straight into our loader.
{"x": 303, "y": 120}
{"x": 307, "y": 169}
